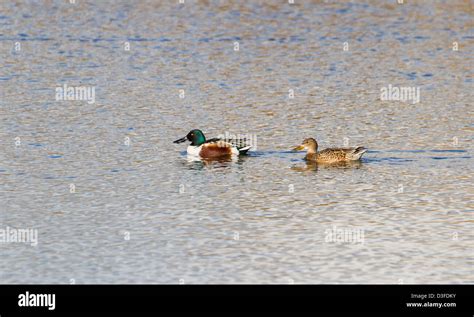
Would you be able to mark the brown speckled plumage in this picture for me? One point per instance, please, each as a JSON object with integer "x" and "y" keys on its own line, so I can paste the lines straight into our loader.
{"x": 332, "y": 155}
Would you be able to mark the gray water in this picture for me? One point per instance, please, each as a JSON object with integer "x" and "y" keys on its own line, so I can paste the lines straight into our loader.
{"x": 113, "y": 200}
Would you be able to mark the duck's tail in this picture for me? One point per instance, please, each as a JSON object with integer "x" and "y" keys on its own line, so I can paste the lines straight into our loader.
{"x": 244, "y": 150}
{"x": 357, "y": 153}
{"x": 241, "y": 145}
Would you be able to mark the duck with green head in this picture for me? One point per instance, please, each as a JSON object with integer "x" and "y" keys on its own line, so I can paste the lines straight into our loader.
{"x": 331, "y": 155}
{"x": 212, "y": 148}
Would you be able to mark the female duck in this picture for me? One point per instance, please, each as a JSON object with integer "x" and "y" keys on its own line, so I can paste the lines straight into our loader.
{"x": 333, "y": 155}
{"x": 213, "y": 148}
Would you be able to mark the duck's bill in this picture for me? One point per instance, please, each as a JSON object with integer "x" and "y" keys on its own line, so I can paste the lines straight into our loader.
{"x": 183, "y": 139}
{"x": 298, "y": 148}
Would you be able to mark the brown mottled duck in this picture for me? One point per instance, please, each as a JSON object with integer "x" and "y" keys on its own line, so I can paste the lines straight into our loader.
{"x": 331, "y": 155}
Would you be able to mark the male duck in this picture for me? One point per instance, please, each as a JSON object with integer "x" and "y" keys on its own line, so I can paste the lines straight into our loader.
{"x": 213, "y": 148}
{"x": 333, "y": 155}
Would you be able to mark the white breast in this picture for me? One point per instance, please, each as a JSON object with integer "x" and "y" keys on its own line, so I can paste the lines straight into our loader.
{"x": 194, "y": 150}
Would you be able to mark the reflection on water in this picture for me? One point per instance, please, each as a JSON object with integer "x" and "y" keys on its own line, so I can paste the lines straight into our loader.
{"x": 115, "y": 201}
{"x": 194, "y": 162}
{"x": 313, "y": 166}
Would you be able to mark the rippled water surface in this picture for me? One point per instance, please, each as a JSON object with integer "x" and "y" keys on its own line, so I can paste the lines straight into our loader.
{"x": 113, "y": 200}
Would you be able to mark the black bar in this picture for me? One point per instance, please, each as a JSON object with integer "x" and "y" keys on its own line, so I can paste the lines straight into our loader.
{"x": 371, "y": 299}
